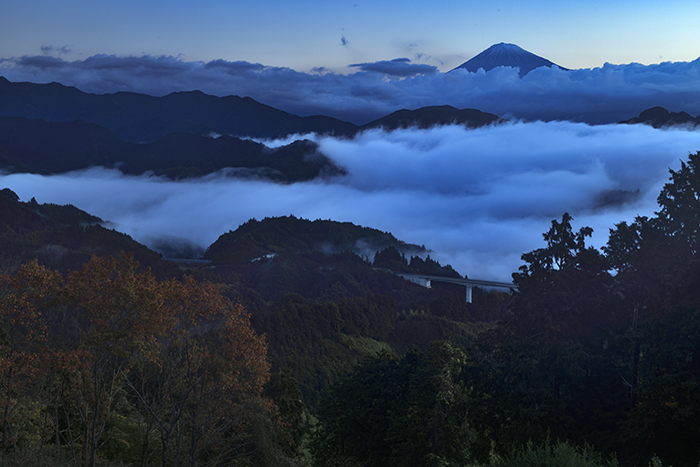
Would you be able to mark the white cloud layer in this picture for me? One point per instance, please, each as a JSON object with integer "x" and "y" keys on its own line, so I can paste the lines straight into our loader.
{"x": 606, "y": 94}
{"x": 478, "y": 198}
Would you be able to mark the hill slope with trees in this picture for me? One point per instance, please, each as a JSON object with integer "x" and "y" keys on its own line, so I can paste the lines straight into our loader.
{"x": 60, "y": 237}
{"x": 37, "y": 146}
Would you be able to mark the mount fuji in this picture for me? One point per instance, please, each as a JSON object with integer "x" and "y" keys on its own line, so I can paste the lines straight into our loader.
{"x": 506, "y": 55}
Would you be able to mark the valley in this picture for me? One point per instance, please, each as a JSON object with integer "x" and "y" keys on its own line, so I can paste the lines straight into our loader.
{"x": 392, "y": 267}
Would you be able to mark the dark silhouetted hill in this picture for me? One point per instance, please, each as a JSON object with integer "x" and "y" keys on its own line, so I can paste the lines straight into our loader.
{"x": 427, "y": 117}
{"x": 141, "y": 118}
{"x": 37, "y": 146}
{"x": 658, "y": 117}
{"x": 60, "y": 237}
{"x": 322, "y": 259}
{"x": 290, "y": 234}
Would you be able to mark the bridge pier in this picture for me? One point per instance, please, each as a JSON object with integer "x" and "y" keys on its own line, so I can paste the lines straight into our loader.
{"x": 425, "y": 281}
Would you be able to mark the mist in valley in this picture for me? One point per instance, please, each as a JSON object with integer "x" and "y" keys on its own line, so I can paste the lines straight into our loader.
{"x": 477, "y": 198}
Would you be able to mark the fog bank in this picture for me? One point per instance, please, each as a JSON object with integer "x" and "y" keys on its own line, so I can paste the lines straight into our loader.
{"x": 477, "y": 198}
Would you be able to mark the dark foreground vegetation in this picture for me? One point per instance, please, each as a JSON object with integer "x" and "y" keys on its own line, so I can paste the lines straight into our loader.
{"x": 596, "y": 363}
{"x": 309, "y": 351}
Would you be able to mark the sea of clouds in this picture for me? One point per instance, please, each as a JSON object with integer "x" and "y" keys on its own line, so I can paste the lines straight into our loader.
{"x": 478, "y": 198}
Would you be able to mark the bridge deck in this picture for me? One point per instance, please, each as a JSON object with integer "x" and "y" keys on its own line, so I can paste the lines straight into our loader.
{"x": 425, "y": 281}
{"x": 457, "y": 280}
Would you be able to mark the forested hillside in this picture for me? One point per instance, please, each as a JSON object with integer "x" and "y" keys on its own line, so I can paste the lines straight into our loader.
{"x": 322, "y": 292}
{"x": 37, "y": 146}
{"x": 326, "y": 295}
{"x": 61, "y": 237}
{"x": 591, "y": 361}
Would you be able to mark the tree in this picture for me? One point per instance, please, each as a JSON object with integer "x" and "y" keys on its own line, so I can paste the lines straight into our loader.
{"x": 679, "y": 217}
{"x": 77, "y": 347}
{"x": 565, "y": 288}
{"x": 659, "y": 275}
{"x": 206, "y": 378}
{"x": 397, "y": 412}
{"x": 550, "y": 367}
{"x": 121, "y": 314}
{"x": 226, "y": 373}
{"x": 23, "y": 336}
{"x": 284, "y": 390}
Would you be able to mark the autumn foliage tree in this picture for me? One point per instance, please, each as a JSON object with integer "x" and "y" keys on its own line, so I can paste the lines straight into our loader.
{"x": 111, "y": 353}
{"x": 122, "y": 313}
{"x": 207, "y": 376}
{"x": 23, "y": 334}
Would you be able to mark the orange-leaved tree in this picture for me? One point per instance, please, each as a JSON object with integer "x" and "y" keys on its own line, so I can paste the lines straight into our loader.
{"x": 121, "y": 314}
{"x": 207, "y": 379}
{"x": 110, "y": 335}
{"x": 23, "y": 334}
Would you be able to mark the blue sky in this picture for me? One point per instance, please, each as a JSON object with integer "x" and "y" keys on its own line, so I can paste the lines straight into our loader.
{"x": 309, "y": 33}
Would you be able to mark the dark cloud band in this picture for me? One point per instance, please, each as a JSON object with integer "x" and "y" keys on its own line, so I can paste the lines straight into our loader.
{"x": 600, "y": 95}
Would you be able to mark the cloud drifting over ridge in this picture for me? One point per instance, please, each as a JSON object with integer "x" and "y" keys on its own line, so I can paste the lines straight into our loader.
{"x": 600, "y": 95}
{"x": 399, "y": 67}
{"x": 478, "y": 198}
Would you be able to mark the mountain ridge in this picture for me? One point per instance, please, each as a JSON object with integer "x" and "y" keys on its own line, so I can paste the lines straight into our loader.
{"x": 37, "y": 146}
{"x": 125, "y": 113}
{"x": 426, "y": 117}
{"x": 52, "y": 128}
{"x": 140, "y": 118}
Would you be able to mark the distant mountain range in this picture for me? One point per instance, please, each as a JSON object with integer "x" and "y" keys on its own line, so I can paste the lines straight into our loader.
{"x": 426, "y": 117}
{"x": 509, "y": 55}
{"x": 37, "y": 146}
{"x": 51, "y": 128}
{"x": 140, "y": 118}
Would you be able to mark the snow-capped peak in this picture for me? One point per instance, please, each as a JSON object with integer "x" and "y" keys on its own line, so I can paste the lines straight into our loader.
{"x": 509, "y": 55}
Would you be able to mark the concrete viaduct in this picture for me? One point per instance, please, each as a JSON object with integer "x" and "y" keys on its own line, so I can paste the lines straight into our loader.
{"x": 425, "y": 281}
